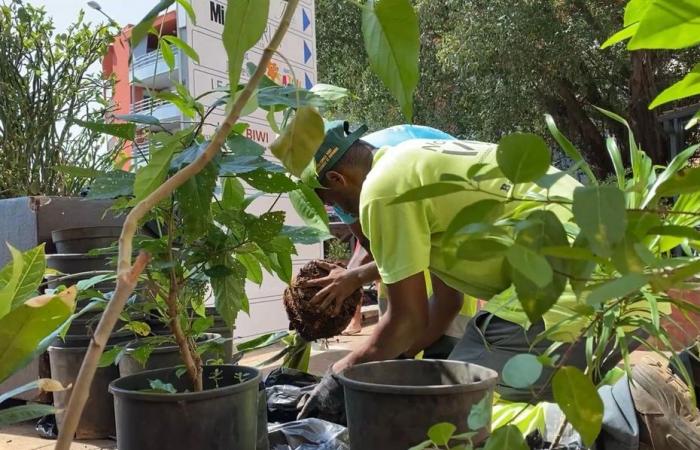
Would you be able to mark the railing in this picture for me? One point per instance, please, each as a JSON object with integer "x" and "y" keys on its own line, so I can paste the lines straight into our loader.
{"x": 153, "y": 56}
{"x": 145, "y": 105}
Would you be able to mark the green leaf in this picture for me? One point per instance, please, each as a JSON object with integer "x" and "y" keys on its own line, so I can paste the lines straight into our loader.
{"x": 161, "y": 387}
{"x": 25, "y": 327}
{"x": 121, "y": 130}
{"x": 244, "y": 26}
{"x": 168, "y": 55}
{"x": 620, "y": 287}
{"x": 479, "y": 211}
{"x": 183, "y": 46}
{"x": 281, "y": 264}
{"x": 616, "y": 158}
{"x": 579, "y": 400}
{"x": 141, "y": 29}
{"x": 79, "y": 172}
{"x": 111, "y": 185}
{"x": 230, "y": 165}
{"x": 229, "y": 291}
{"x": 392, "y": 41}
{"x": 676, "y": 164}
{"x": 480, "y": 249}
{"x": 138, "y": 118}
{"x": 635, "y": 11}
{"x": 242, "y": 146}
{"x": 194, "y": 199}
{"x": 668, "y": 24}
{"x": 676, "y": 231}
{"x": 428, "y": 191}
{"x": 19, "y": 286}
{"x": 440, "y": 433}
{"x": 329, "y": 92}
{"x": 279, "y": 98}
{"x": 309, "y": 207}
{"x": 507, "y": 437}
{"x": 531, "y": 265}
{"x": 252, "y": 267}
{"x": 523, "y": 157}
{"x": 110, "y": 356}
{"x": 152, "y": 175}
{"x": 422, "y": 446}
{"x": 232, "y": 193}
{"x": 684, "y": 181}
{"x": 187, "y": 6}
{"x": 568, "y": 148}
{"x": 306, "y": 235}
{"x": 689, "y": 86}
{"x": 621, "y": 35}
{"x": 522, "y": 371}
{"x": 300, "y": 140}
{"x": 480, "y": 414}
{"x": 24, "y": 413}
{"x": 261, "y": 341}
{"x": 270, "y": 182}
{"x": 600, "y": 212}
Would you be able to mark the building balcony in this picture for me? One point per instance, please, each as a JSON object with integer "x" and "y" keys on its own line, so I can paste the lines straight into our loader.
{"x": 151, "y": 71}
{"x": 164, "y": 111}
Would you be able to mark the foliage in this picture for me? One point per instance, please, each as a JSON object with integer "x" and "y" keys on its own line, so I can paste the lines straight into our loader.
{"x": 337, "y": 250}
{"x": 26, "y": 321}
{"x": 489, "y": 68}
{"x": 48, "y": 84}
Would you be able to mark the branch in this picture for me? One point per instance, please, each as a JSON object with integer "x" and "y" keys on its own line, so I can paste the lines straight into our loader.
{"x": 127, "y": 275}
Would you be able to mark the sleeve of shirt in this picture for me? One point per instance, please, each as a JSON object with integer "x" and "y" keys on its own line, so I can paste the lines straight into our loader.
{"x": 399, "y": 237}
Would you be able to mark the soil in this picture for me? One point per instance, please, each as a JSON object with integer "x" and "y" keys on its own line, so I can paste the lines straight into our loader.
{"x": 309, "y": 320}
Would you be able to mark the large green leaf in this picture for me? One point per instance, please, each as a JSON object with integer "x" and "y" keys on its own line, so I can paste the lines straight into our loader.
{"x": 684, "y": 181}
{"x": 25, "y": 327}
{"x": 300, "y": 140}
{"x": 121, "y": 130}
{"x": 392, "y": 40}
{"x": 687, "y": 87}
{"x": 579, "y": 400}
{"x": 277, "y": 98}
{"x": 306, "y": 235}
{"x": 232, "y": 194}
{"x": 230, "y": 165}
{"x": 245, "y": 23}
{"x": 309, "y": 207}
{"x": 262, "y": 230}
{"x": 440, "y": 433}
{"x": 545, "y": 230}
{"x": 11, "y": 274}
{"x": 183, "y": 46}
{"x": 480, "y": 414}
{"x": 141, "y": 29}
{"x": 619, "y": 287}
{"x": 24, "y": 413}
{"x": 676, "y": 164}
{"x": 522, "y": 371}
{"x": 138, "y": 118}
{"x": 194, "y": 199}
{"x": 329, "y": 92}
{"x": 480, "y": 249}
{"x": 152, "y": 175}
{"x": 480, "y": 211}
{"x": 600, "y": 212}
{"x": 428, "y": 191}
{"x": 530, "y": 264}
{"x": 616, "y": 158}
{"x": 117, "y": 183}
{"x": 523, "y": 157}
{"x": 668, "y": 24}
{"x": 252, "y": 266}
{"x": 507, "y": 437}
{"x": 270, "y": 182}
{"x": 229, "y": 290}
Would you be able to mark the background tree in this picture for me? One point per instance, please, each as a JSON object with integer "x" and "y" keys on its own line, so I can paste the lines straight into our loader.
{"x": 47, "y": 81}
{"x": 490, "y": 67}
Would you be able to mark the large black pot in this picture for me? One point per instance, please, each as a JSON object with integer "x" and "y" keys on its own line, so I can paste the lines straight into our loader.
{"x": 223, "y": 417}
{"x": 410, "y": 396}
{"x": 84, "y": 239}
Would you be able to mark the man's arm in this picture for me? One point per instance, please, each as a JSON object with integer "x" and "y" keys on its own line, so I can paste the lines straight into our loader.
{"x": 442, "y": 310}
{"x": 406, "y": 318}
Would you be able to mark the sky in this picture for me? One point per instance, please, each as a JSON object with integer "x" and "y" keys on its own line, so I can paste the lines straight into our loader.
{"x": 124, "y": 12}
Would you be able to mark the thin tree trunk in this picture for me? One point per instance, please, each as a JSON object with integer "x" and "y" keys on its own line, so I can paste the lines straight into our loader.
{"x": 645, "y": 123}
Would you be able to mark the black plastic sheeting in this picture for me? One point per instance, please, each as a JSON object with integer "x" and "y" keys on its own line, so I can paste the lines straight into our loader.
{"x": 309, "y": 434}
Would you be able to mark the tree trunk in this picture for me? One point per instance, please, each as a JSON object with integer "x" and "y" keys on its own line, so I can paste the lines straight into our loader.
{"x": 645, "y": 123}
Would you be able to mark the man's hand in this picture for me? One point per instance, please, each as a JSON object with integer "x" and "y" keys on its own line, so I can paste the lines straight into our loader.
{"x": 337, "y": 286}
{"x": 327, "y": 401}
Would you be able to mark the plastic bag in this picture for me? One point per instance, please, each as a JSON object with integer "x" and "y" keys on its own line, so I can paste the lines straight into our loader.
{"x": 309, "y": 434}
{"x": 284, "y": 388}
{"x": 293, "y": 377}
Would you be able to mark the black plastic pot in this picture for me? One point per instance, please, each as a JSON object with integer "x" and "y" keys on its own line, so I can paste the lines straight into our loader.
{"x": 84, "y": 239}
{"x": 97, "y": 421}
{"x": 410, "y": 396}
{"x": 223, "y": 417}
{"x": 161, "y": 358}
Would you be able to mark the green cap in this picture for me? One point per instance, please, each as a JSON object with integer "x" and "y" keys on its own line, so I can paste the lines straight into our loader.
{"x": 337, "y": 141}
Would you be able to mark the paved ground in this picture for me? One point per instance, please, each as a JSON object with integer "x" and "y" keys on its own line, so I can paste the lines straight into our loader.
{"x": 24, "y": 437}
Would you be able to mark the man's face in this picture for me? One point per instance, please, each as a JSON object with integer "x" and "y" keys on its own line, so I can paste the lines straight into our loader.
{"x": 341, "y": 190}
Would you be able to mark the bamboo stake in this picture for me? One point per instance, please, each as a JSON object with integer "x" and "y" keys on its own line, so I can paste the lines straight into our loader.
{"x": 127, "y": 275}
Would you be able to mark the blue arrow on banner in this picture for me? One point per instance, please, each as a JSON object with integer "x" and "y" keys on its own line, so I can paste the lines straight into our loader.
{"x": 305, "y": 19}
{"x": 307, "y": 52}
{"x": 307, "y": 81}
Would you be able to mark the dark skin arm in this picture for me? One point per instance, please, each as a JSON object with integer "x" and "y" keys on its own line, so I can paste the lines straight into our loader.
{"x": 397, "y": 330}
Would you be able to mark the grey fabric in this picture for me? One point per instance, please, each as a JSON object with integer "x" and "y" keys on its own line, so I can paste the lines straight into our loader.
{"x": 491, "y": 341}
{"x": 620, "y": 429}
